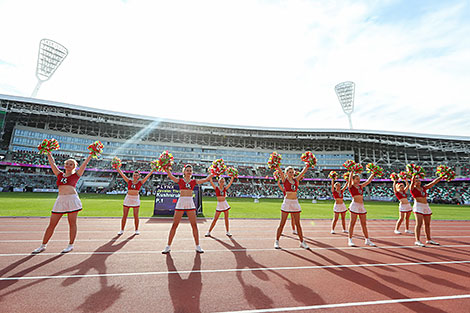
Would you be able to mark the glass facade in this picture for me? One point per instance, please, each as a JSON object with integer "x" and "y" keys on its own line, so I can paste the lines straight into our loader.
{"x": 27, "y": 139}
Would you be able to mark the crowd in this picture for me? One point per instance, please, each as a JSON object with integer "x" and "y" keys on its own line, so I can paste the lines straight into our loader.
{"x": 29, "y": 178}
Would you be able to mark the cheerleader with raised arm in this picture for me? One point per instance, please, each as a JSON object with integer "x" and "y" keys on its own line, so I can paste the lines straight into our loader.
{"x": 291, "y": 204}
{"x": 222, "y": 205}
{"x": 404, "y": 207}
{"x": 67, "y": 201}
{"x": 356, "y": 208}
{"x": 132, "y": 199}
{"x": 421, "y": 209}
{"x": 292, "y": 222}
{"x": 185, "y": 204}
{"x": 339, "y": 208}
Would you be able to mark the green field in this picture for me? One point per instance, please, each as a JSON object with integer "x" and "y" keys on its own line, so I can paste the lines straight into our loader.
{"x": 40, "y": 204}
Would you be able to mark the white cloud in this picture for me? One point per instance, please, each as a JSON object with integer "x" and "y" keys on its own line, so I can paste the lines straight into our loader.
{"x": 246, "y": 62}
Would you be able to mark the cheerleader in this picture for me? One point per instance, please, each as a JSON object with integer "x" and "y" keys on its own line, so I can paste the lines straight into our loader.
{"x": 421, "y": 209}
{"x": 292, "y": 222}
{"x": 339, "y": 208}
{"x": 404, "y": 206}
{"x": 132, "y": 199}
{"x": 67, "y": 201}
{"x": 185, "y": 204}
{"x": 356, "y": 208}
{"x": 222, "y": 205}
{"x": 290, "y": 204}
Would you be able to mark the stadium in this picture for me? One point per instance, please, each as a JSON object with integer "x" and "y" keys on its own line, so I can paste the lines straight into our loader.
{"x": 139, "y": 139}
{"x": 191, "y": 156}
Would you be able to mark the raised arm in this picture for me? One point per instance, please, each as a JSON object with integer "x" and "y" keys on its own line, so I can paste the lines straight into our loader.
{"x": 279, "y": 184}
{"x": 344, "y": 187}
{"x": 332, "y": 185}
{"x": 407, "y": 185}
{"x": 126, "y": 179}
{"x": 413, "y": 182}
{"x": 301, "y": 174}
{"x": 368, "y": 181}
{"x": 170, "y": 176}
{"x": 281, "y": 174}
{"x": 350, "y": 179}
{"x": 54, "y": 167}
{"x": 394, "y": 186}
{"x": 230, "y": 182}
{"x": 204, "y": 180}
{"x": 212, "y": 183}
{"x": 431, "y": 184}
{"x": 147, "y": 177}
{"x": 82, "y": 167}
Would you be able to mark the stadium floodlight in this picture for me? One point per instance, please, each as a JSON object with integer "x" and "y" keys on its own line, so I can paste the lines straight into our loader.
{"x": 345, "y": 93}
{"x": 51, "y": 54}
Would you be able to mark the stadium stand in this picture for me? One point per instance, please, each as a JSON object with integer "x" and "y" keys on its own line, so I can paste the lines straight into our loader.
{"x": 139, "y": 139}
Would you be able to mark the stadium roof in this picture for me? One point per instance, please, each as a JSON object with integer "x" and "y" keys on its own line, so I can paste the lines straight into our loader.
{"x": 151, "y": 118}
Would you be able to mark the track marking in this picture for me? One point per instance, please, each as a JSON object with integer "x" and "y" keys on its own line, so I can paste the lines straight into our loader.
{"x": 350, "y": 304}
{"x": 233, "y": 229}
{"x": 230, "y": 250}
{"x": 233, "y": 270}
{"x": 214, "y": 240}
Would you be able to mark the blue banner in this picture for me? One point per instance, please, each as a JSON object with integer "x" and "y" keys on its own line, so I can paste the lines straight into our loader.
{"x": 166, "y": 196}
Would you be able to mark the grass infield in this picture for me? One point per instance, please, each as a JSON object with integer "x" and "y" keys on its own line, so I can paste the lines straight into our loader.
{"x": 40, "y": 204}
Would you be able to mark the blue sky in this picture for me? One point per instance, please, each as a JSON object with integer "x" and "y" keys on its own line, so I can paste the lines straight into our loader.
{"x": 245, "y": 62}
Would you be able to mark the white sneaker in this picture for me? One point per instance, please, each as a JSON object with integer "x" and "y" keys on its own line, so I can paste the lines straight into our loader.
{"x": 137, "y": 232}
{"x": 409, "y": 232}
{"x": 332, "y": 232}
{"x": 397, "y": 232}
{"x": 419, "y": 243}
{"x": 199, "y": 249}
{"x": 369, "y": 243}
{"x": 295, "y": 232}
{"x": 208, "y": 234}
{"x": 276, "y": 244}
{"x": 68, "y": 249}
{"x": 166, "y": 250}
{"x": 432, "y": 242}
{"x": 345, "y": 231}
{"x": 120, "y": 232}
{"x": 304, "y": 245}
{"x": 40, "y": 249}
{"x": 351, "y": 243}
{"x": 228, "y": 234}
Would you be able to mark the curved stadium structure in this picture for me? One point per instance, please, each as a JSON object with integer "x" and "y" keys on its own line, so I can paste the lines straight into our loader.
{"x": 25, "y": 122}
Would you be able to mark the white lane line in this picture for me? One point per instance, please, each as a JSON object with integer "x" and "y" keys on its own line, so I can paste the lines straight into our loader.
{"x": 232, "y": 229}
{"x": 287, "y": 237}
{"x": 351, "y": 304}
{"x": 226, "y": 250}
{"x": 233, "y": 270}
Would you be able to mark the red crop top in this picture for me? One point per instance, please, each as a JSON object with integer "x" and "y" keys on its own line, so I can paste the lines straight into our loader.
{"x": 186, "y": 186}
{"x": 291, "y": 187}
{"x": 416, "y": 193}
{"x": 401, "y": 195}
{"x": 69, "y": 181}
{"x": 337, "y": 195}
{"x": 356, "y": 191}
{"x": 132, "y": 186}
{"x": 218, "y": 193}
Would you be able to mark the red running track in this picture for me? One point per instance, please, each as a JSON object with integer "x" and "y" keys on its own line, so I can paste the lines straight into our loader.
{"x": 108, "y": 273}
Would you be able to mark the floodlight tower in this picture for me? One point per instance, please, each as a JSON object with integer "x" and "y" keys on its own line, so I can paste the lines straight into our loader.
{"x": 51, "y": 54}
{"x": 345, "y": 93}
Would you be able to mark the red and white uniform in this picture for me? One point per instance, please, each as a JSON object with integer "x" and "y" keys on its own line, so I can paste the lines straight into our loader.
{"x": 356, "y": 207}
{"x": 291, "y": 205}
{"x": 132, "y": 201}
{"x": 420, "y": 208}
{"x": 221, "y": 205}
{"x": 186, "y": 203}
{"x": 403, "y": 207}
{"x": 339, "y": 207}
{"x": 67, "y": 203}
